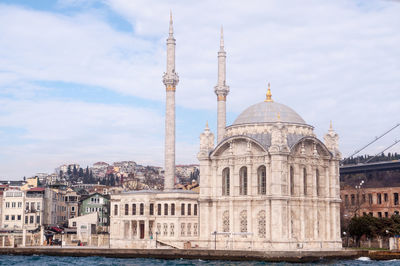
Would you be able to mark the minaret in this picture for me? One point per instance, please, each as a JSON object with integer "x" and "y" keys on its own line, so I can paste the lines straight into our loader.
{"x": 170, "y": 80}
{"x": 221, "y": 90}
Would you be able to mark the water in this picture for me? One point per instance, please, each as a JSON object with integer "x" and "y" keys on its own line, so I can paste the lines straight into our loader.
{"x": 89, "y": 261}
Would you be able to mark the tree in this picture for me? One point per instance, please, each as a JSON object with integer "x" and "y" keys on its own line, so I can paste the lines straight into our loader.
{"x": 80, "y": 172}
{"x": 75, "y": 171}
{"x": 69, "y": 172}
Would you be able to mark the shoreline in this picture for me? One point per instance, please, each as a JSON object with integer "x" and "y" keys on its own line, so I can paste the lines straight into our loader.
{"x": 232, "y": 255}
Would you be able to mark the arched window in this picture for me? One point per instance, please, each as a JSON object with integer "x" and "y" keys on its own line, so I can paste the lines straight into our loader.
{"x": 291, "y": 181}
{"x": 305, "y": 181}
{"x": 243, "y": 221}
{"x": 165, "y": 209}
{"x": 261, "y": 224}
{"x": 243, "y": 180}
{"x": 115, "y": 209}
{"x": 317, "y": 181}
{"x": 226, "y": 182}
{"x": 141, "y": 208}
{"x": 262, "y": 180}
{"x": 126, "y": 209}
{"x": 225, "y": 221}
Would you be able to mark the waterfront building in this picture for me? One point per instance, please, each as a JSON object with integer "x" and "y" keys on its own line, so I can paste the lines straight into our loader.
{"x": 13, "y": 210}
{"x": 374, "y": 201}
{"x": 72, "y": 203}
{"x": 34, "y": 208}
{"x": 268, "y": 184}
{"x": 97, "y": 203}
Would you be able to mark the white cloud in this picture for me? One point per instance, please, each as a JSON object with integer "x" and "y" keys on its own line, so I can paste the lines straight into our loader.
{"x": 333, "y": 60}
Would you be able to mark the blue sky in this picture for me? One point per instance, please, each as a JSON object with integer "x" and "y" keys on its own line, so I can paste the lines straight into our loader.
{"x": 81, "y": 81}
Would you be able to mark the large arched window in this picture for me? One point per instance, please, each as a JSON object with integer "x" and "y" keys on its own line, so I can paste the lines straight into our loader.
{"x": 262, "y": 180}
{"x": 317, "y": 183}
{"x": 243, "y": 180}
{"x": 291, "y": 180}
{"x": 305, "y": 181}
{"x": 226, "y": 182}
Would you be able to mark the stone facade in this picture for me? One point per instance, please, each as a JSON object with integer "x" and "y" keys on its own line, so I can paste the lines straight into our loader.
{"x": 139, "y": 219}
{"x": 268, "y": 184}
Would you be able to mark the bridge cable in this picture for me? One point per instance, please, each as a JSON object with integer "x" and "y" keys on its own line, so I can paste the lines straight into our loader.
{"x": 376, "y": 138}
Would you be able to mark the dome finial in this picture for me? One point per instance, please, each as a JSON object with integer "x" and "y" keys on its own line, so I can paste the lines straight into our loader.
{"x": 269, "y": 94}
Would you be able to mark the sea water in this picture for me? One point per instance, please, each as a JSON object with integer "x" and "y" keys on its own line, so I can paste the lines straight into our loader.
{"x": 89, "y": 261}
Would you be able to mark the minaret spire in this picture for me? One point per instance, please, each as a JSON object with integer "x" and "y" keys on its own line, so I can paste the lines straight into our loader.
{"x": 221, "y": 42}
{"x": 170, "y": 80}
{"x": 221, "y": 90}
{"x": 171, "y": 27}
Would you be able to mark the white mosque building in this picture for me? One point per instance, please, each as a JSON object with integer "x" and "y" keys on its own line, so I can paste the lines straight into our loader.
{"x": 268, "y": 184}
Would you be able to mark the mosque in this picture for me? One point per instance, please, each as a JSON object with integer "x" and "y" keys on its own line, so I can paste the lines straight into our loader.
{"x": 268, "y": 184}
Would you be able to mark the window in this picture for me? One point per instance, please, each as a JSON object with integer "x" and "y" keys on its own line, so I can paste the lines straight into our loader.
{"x": 189, "y": 229}
{"x": 346, "y": 200}
{"x": 126, "y": 209}
{"x": 171, "y": 227}
{"x": 26, "y": 219}
{"x": 261, "y": 224}
{"x": 243, "y": 221}
{"x": 262, "y": 180}
{"x": 195, "y": 229}
{"x": 31, "y": 219}
{"x": 189, "y": 212}
{"x": 195, "y": 209}
{"x": 371, "y": 214}
{"x": 379, "y": 214}
{"x": 141, "y": 209}
{"x": 370, "y": 199}
{"x": 386, "y": 214}
{"x": 38, "y": 207}
{"x": 165, "y": 209}
{"x": 165, "y": 229}
{"x": 243, "y": 181}
{"x": 305, "y": 181}
{"x": 182, "y": 229}
{"x": 20, "y": 205}
{"x": 317, "y": 182}
{"x": 151, "y": 209}
{"x": 363, "y": 198}
{"x": 13, "y": 204}
{"x": 226, "y": 182}
{"x": 225, "y": 221}
{"x": 183, "y": 209}
{"x": 379, "y": 198}
{"x": 353, "y": 199}
{"x": 172, "y": 208}
{"x": 291, "y": 181}
{"x": 38, "y": 219}
{"x": 158, "y": 209}
{"x": 133, "y": 209}
{"x": 7, "y": 217}
{"x": 396, "y": 198}
{"x": 115, "y": 209}
{"x": 396, "y": 212}
{"x": 385, "y": 197}
{"x": 74, "y": 224}
{"x": 7, "y": 205}
{"x": 12, "y": 217}
{"x": 19, "y": 217}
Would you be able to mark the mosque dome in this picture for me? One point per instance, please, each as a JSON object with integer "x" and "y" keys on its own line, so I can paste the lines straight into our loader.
{"x": 268, "y": 111}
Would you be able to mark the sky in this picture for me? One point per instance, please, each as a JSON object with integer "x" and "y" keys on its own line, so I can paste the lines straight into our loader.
{"x": 81, "y": 81}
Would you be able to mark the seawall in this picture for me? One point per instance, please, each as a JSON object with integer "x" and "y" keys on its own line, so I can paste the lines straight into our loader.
{"x": 235, "y": 255}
